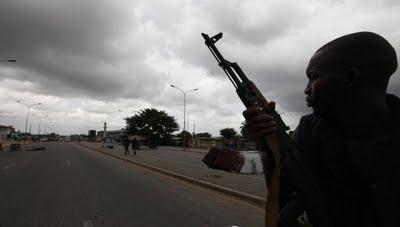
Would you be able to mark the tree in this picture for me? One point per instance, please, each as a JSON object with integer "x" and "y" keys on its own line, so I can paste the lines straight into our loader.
{"x": 157, "y": 126}
{"x": 242, "y": 126}
{"x": 228, "y": 133}
{"x": 203, "y": 134}
{"x": 187, "y": 137}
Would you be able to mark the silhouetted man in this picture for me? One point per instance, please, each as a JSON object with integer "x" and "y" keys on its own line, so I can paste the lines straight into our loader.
{"x": 135, "y": 145}
{"x": 125, "y": 143}
{"x": 351, "y": 141}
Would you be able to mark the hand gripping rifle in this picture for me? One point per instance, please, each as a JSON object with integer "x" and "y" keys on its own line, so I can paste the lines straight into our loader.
{"x": 279, "y": 143}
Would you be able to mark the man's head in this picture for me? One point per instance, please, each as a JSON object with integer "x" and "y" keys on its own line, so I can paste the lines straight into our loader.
{"x": 346, "y": 66}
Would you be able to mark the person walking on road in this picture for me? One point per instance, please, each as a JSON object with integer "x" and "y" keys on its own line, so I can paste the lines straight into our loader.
{"x": 135, "y": 145}
{"x": 125, "y": 143}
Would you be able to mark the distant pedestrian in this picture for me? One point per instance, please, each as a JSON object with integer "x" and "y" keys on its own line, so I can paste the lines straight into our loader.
{"x": 135, "y": 145}
{"x": 125, "y": 143}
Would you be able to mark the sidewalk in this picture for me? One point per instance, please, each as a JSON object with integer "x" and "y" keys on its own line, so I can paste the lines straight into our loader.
{"x": 190, "y": 164}
{"x": 190, "y": 149}
{"x": 176, "y": 148}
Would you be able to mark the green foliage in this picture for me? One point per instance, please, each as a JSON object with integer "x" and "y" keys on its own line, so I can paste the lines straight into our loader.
{"x": 228, "y": 133}
{"x": 157, "y": 126}
{"x": 203, "y": 134}
{"x": 188, "y": 137}
{"x": 242, "y": 129}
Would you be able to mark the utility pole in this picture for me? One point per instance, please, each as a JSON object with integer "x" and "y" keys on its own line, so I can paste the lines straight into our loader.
{"x": 184, "y": 111}
{"x": 28, "y": 106}
{"x": 188, "y": 122}
{"x": 40, "y": 123}
{"x": 194, "y": 127}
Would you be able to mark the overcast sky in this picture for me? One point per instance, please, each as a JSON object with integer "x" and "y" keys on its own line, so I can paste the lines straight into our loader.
{"x": 87, "y": 59}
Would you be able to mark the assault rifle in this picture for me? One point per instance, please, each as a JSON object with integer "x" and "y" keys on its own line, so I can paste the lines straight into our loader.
{"x": 278, "y": 144}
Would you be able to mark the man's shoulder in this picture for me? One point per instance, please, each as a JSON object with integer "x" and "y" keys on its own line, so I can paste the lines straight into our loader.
{"x": 394, "y": 104}
{"x": 308, "y": 119}
{"x": 307, "y": 123}
{"x": 304, "y": 135}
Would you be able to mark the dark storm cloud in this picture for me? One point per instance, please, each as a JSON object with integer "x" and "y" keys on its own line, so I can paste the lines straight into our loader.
{"x": 257, "y": 22}
{"x": 249, "y": 29}
{"x": 275, "y": 51}
{"x": 70, "y": 48}
{"x": 106, "y": 55}
{"x": 249, "y": 25}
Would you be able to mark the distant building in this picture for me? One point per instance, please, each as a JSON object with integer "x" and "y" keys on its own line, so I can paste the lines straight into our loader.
{"x": 92, "y": 135}
{"x": 202, "y": 142}
{"x": 6, "y": 131}
{"x": 76, "y": 137}
{"x": 114, "y": 134}
{"x": 53, "y": 137}
{"x": 100, "y": 134}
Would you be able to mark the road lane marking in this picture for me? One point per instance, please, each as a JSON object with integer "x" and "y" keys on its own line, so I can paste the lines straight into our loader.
{"x": 87, "y": 223}
{"x": 9, "y": 165}
{"x": 68, "y": 163}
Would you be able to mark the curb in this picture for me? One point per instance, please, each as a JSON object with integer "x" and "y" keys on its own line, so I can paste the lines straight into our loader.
{"x": 180, "y": 149}
{"x": 252, "y": 199}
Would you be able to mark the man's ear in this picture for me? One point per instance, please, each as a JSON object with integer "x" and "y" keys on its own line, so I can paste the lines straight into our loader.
{"x": 352, "y": 76}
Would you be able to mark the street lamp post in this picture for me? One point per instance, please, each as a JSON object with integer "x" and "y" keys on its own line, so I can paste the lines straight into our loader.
{"x": 184, "y": 111}
{"x": 40, "y": 116}
{"x": 28, "y": 106}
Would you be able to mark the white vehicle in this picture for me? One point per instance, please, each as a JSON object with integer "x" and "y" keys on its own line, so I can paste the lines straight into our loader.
{"x": 67, "y": 139}
{"x": 108, "y": 143}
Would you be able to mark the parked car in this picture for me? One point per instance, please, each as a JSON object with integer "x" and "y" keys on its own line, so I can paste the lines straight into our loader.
{"x": 108, "y": 143}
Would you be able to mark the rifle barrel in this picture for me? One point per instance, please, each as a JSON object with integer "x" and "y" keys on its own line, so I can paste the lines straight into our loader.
{"x": 222, "y": 62}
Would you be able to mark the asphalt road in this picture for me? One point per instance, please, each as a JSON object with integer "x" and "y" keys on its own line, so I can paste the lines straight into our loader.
{"x": 67, "y": 185}
{"x": 191, "y": 164}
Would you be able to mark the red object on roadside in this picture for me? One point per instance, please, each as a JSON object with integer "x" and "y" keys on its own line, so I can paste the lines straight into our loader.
{"x": 211, "y": 156}
{"x": 243, "y": 162}
{"x": 230, "y": 160}
{"x": 225, "y": 159}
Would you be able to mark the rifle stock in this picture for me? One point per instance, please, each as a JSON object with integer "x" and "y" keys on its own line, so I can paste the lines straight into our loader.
{"x": 279, "y": 143}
